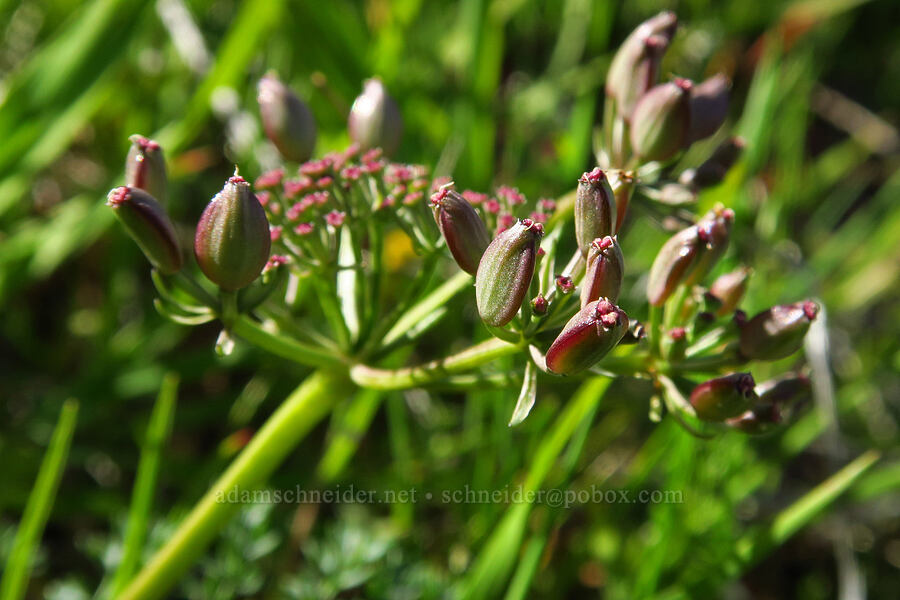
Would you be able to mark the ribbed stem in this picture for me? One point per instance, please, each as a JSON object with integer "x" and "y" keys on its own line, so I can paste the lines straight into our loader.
{"x": 398, "y": 379}
{"x": 305, "y": 407}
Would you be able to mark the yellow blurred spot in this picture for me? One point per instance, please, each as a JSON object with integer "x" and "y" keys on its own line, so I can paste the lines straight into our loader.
{"x": 398, "y": 250}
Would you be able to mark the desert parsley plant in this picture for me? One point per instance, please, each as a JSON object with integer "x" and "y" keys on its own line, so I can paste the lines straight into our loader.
{"x": 293, "y": 261}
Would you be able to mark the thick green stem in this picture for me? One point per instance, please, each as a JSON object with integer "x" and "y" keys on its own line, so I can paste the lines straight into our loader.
{"x": 278, "y": 437}
{"x": 435, "y": 371}
{"x": 281, "y": 345}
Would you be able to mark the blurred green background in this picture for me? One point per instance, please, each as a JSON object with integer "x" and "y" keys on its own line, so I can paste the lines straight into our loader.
{"x": 494, "y": 92}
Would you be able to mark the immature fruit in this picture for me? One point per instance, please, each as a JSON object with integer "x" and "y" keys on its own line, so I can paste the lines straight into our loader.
{"x": 287, "y": 121}
{"x": 729, "y": 289}
{"x": 622, "y": 185}
{"x": 777, "y": 332}
{"x": 604, "y": 271}
{"x": 714, "y": 230}
{"x": 778, "y": 399}
{"x": 464, "y": 232}
{"x": 505, "y": 272}
{"x": 149, "y": 226}
{"x": 587, "y": 337}
{"x": 232, "y": 241}
{"x": 672, "y": 264}
{"x": 145, "y": 168}
{"x": 709, "y": 107}
{"x": 595, "y": 209}
{"x": 661, "y": 121}
{"x": 758, "y": 420}
{"x": 635, "y": 66}
{"x": 374, "y": 120}
{"x": 724, "y": 397}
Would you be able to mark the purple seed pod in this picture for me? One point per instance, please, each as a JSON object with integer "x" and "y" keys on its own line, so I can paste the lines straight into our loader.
{"x": 604, "y": 271}
{"x": 149, "y": 226}
{"x": 714, "y": 230}
{"x": 232, "y": 241}
{"x": 287, "y": 121}
{"x": 786, "y": 391}
{"x": 729, "y": 289}
{"x": 464, "y": 232}
{"x": 635, "y": 67}
{"x": 661, "y": 121}
{"x": 709, "y": 107}
{"x": 145, "y": 168}
{"x": 777, "y": 332}
{"x": 595, "y": 210}
{"x": 672, "y": 264}
{"x": 622, "y": 185}
{"x": 724, "y": 397}
{"x": 374, "y": 120}
{"x": 587, "y": 337}
{"x": 505, "y": 272}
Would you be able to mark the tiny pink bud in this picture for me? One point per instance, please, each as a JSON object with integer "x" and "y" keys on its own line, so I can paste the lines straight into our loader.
{"x": 539, "y": 305}
{"x": 335, "y": 218}
{"x": 269, "y": 179}
{"x": 564, "y": 284}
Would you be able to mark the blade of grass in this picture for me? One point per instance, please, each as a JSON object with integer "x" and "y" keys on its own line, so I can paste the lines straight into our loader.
{"x": 497, "y": 557}
{"x": 759, "y": 543}
{"x": 40, "y": 502}
{"x": 296, "y": 416}
{"x": 158, "y": 432}
{"x": 349, "y": 427}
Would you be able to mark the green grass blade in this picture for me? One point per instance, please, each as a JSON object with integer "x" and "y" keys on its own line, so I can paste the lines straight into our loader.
{"x": 158, "y": 431}
{"x": 497, "y": 558}
{"x": 761, "y": 542}
{"x": 40, "y": 502}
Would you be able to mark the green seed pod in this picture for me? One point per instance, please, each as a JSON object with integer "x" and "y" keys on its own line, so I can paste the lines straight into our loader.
{"x": 464, "y": 232}
{"x": 595, "y": 210}
{"x": 661, "y": 121}
{"x": 287, "y": 121}
{"x": 232, "y": 241}
{"x": 729, "y": 289}
{"x": 709, "y": 107}
{"x": 374, "y": 120}
{"x": 714, "y": 230}
{"x": 635, "y": 67}
{"x": 145, "y": 168}
{"x": 672, "y": 264}
{"x": 505, "y": 272}
{"x": 149, "y": 226}
{"x": 777, "y": 332}
{"x": 604, "y": 271}
{"x": 587, "y": 337}
{"x": 724, "y": 397}
{"x": 622, "y": 185}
